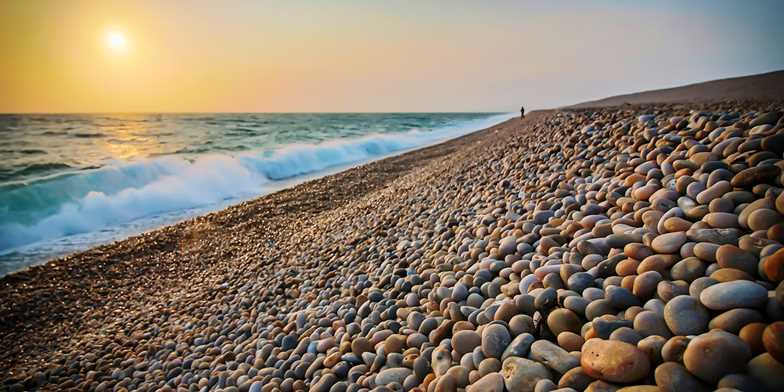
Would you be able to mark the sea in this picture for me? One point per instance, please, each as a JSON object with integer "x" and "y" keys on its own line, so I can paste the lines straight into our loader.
{"x": 69, "y": 182}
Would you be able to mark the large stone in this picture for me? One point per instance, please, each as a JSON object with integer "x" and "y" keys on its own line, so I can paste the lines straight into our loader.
{"x": 773, "y": 340}
{"x": 773, "y": 266}
{"x": 740, "y": 382}
{"x": 446, "y": 383}
{"x": 522, "y": 374}
{"x": 492, "y": 382}
{"x": 752, "y": 335}
{"x": 730, "y": 256}
{"x": 716, "y": 236}
{"x": 604, "y": 326}
{"x": 645, "y": 284}
{"x": 685, "y": 315}
{"x": 388, "y": 376}
{"x": 519, "y": 347}
{"x": 673, "y": 377}
{"x": 465, "y": 341}
{"x": 755, "y": 175}
{"x": 441, "y": 361}
{"x": 495, "y": 338}
{"x": 673, "y": 349}
{"x": 721, "y": 220}
{"x": 712, "y": 355}
{"x": 552, "y": 356}
{"x": 688, "y": 269}
{"x": 734, "y": 319}
{"x": 768, "y": 370}
{"x": 394, "y": 343}
{"x": 650, "y": 323}
{"x": 764, "y": 218}
{"x": 561, "y": 320}
{"x": 669, "y": 242}
{"x": 575, "y": 378}
{"x": 570, "y": 341}
{"x": 734, "y": 294}
{"x": 601, "y": 386}
{"x": 614, "y": 361}
{"x": 361, "y": 345}
{"x": 621, "y": 297}
{"x": 765, "y": 118}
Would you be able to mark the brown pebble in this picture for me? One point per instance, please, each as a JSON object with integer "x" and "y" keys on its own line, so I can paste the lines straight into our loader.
{"x": 614, "y": 361}
{"x": 712, "y": 355}
{"x": 752, "y": 335}
{"x": 773, "y": 340}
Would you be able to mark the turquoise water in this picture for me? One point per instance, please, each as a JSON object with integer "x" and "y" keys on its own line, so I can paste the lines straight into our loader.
{"x": 69, "y": 182}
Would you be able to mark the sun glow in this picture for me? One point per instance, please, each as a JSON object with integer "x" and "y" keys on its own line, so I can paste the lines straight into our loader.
{"x": 116, "y": 41}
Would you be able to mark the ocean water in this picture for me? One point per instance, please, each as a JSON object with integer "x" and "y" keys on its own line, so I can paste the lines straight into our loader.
{"x": 70, "y": 182}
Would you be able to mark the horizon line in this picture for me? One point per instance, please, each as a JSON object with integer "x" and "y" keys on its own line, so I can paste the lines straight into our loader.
{"x": 251, "y": 112}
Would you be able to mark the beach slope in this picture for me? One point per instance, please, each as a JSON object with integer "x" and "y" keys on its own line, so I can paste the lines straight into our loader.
{"x": 766, "y": 86}
{"x": 487, "y": 262}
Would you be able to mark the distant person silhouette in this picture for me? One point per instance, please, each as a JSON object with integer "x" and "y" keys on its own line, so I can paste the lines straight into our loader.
{"x": 522, "y": 112}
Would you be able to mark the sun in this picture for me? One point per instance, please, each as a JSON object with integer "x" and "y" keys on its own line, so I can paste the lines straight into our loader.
{"x": 116, "y": 41}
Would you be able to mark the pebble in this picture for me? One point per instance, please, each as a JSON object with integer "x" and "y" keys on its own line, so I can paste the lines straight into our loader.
{"x": 361, "y": 345}
{"x": 706, "y": 251}
{"x": 716, "y": 236}
{"x": 521, "y": 374}
{"x": 772, "y": 267}
{"x": 576, "y": 379}
{"x": 773, "y": 340}
{"x": 495, "y": 338}
{"x": 446, "y": 383}
{"x": 734, "y": 294}
{"x": 552, "y": 356}
{"x": 755, "y": 175}
{"x": 519, "y": 347}
{"x": 652, "y": 346}
{"x": 673, "y": 349}
{"x": 563, "y": 320}
{"x": 614, "y": 361}
{"x": 520, "y": 324}
{"x": 668, "y": 242}
{"x": 465, "y": 341}
{"x": 396, "y": 375}
{"x": 752, "y": 335}
{"x": 620, "y": 297}
{"x": 650, "y": 323}
{"x": 685, "y": 315}
{"x": 741, "y": 382}
{"x": 734, "y": 319}
{"x": 688, "y": 269}
{"x": 603, "y": 327}
{"x": 768, "y": 370}
{"x": 721, "y": 220}
{"x": 715, "y": 354}
{"x": 441, "y": 361}
{"x": 673, "y": 377}
{"x": 570, "y": 341}
{"x": 730, "y": 256}
{"x": 763, "y": 219}
{"x": 493, "y": 382}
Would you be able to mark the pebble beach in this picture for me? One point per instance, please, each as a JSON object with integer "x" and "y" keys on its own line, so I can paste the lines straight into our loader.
{"x": 630, "y": 248}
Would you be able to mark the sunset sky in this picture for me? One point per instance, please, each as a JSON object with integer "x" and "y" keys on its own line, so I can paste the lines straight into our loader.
{"x": 324, "y": 56}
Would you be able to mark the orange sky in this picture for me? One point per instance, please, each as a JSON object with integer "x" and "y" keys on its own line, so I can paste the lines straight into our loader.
{"x": 355, "y": 56}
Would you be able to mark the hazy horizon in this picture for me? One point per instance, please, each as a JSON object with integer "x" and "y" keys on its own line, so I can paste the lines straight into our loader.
{"x": 353, "y": 57}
